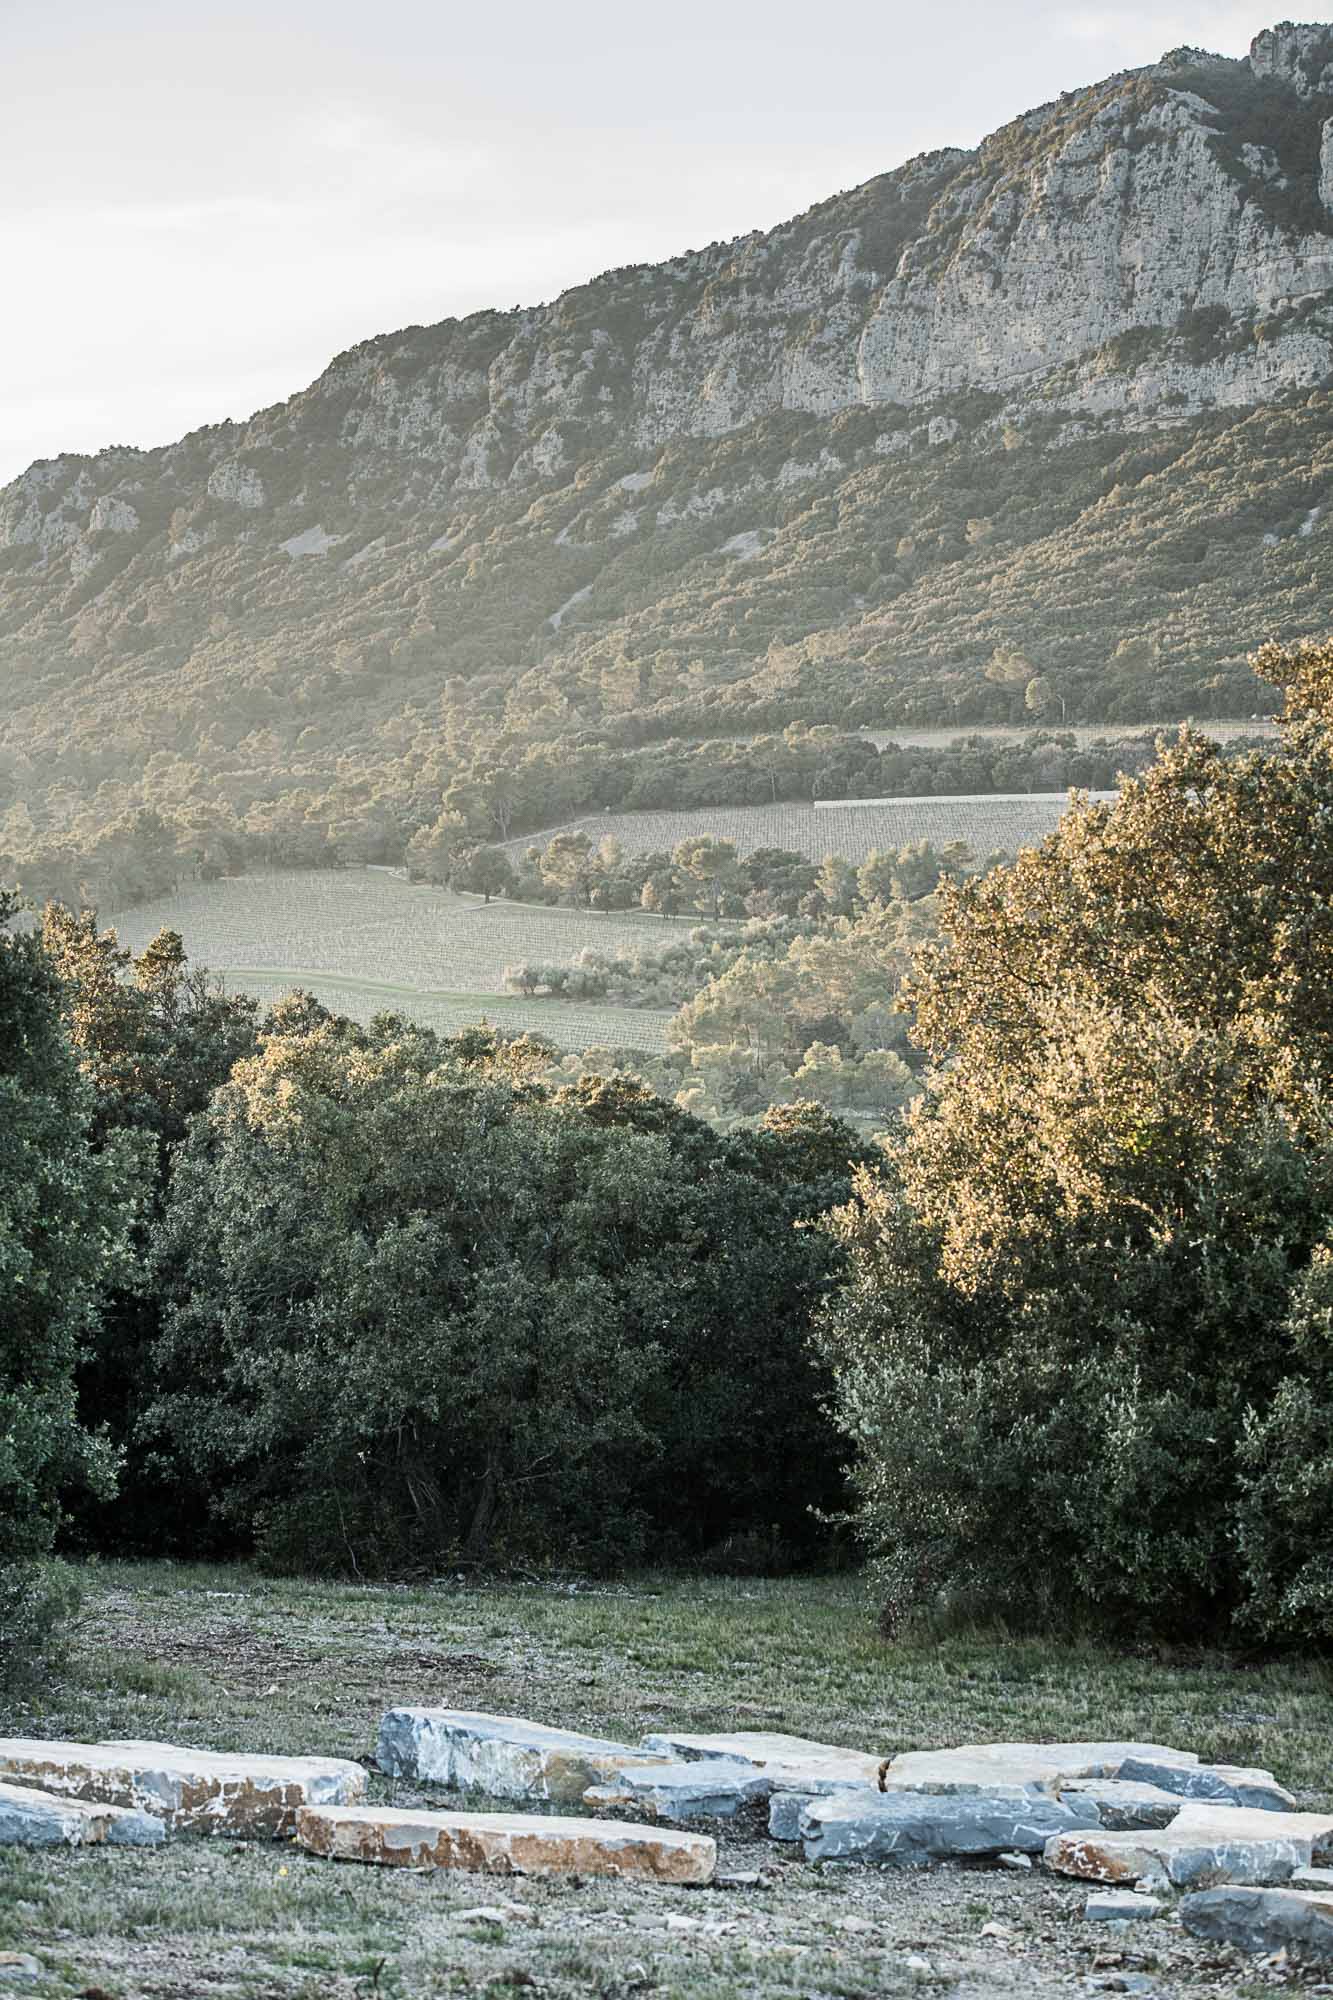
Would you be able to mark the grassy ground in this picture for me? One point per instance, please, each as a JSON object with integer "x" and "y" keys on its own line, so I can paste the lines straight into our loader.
{"x": 363, "y": 940}
{"x": 226, "y": 1658}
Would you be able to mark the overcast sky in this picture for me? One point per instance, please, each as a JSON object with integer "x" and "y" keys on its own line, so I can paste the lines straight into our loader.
{"x": 201, "y": 205}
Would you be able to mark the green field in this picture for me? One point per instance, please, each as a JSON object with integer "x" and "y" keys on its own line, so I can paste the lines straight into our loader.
{"x": 229, "y": 1659}
{"x": 364, "y": 940}
{"x": 985, "y": 822}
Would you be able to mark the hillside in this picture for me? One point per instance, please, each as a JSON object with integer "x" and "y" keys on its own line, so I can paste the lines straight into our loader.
{"x": 1066, "y": 396}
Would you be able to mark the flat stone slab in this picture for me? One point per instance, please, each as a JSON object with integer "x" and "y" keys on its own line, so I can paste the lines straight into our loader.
{"x": 506, "y": 1843}
{"x": 993, "y": 1768}
{"x": 708, "y": 1788}
{"x": 1226, "y": 1784}
{"x": 1124, "y": 1807}
{"x": 791, "y": 1755}
{"x": 1204, "y": 1845}
{"x": 32, "y": 1818}
{"x": 914, "y": 1829}
{"x": 785, "y": 1808}
{"x": 1121, "y": 1906}
{"x": 1263, "y": 1920}
{"x": 206, "y": 1790}
{"x": 503, "y": 1755}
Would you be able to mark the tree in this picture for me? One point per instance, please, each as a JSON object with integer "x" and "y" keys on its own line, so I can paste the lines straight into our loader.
{"x": 432, "y": 849}
{"x": 419, "y": 1310}
{"x": 1082, "y": 1253}
{"x": 64, "y": 1214}
{"x": 707, "y": 865}
{"x": 487, "y": 872}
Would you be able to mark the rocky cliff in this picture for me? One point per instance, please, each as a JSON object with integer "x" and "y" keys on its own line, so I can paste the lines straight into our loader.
{"x": 526, "y": 499}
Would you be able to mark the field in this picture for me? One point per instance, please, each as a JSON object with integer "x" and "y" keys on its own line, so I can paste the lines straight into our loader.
{"x": 363, "y": 941}
{"x": 229, "y": 1659}
{"x": 986, "y": 822}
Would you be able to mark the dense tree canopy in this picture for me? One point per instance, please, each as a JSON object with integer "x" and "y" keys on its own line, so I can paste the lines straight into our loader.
{"x": 1073, "y": 1284}
{"x": 417, "y": 1309}
{"x": 64, "y": 1213}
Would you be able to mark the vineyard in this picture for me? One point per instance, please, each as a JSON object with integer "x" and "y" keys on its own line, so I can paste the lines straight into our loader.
{"x": 364, "y": 941}
{"x": 985, "y": 822}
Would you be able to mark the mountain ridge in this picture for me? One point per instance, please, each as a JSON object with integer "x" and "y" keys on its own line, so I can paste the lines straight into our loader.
{"x": 1063, "y": 396}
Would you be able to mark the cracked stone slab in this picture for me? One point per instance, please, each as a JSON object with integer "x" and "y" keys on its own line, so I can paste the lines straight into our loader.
{"x": 1204, "y": 1845}
{"x": 32, "y": 1818}
{"x": 914, "y": 1829}
{"x": 1263, "y": 1920}
{"x": 994, "y": 1768}
{"x": 1224, "y": 1784}
{"x": 1124, "y": 1807}
{"x": 503, "y": 1755}
{"x": 506, "y": 1843}
{"x": 708, "y": 1788}
{"x": 204, "y": 1790}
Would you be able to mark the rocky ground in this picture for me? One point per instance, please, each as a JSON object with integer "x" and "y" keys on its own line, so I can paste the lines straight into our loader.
{"x": 239, "y": 1662}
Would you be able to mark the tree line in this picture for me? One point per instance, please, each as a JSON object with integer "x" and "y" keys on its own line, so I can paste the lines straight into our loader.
{"x": 447, "y": 806}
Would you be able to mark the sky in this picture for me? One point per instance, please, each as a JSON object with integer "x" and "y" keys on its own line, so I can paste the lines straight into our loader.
{"x": 201, "y": 205}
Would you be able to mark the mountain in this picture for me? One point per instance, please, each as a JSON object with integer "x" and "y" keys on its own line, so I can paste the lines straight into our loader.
{"x": 1066, "y": 399}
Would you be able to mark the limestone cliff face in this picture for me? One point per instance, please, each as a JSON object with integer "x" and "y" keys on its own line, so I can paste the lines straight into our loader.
{"x": 1161, "y": 242}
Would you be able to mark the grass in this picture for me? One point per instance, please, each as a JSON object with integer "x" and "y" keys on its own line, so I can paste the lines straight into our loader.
{"x": 364, "y": 940}
{"x": 231, "y": 1659}
{"x": 985, "y": 822}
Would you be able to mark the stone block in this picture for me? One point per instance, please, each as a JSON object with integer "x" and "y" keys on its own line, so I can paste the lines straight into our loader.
{"x": 998, "y": 1768}
{"x": 1224, "y": 1784}
{"x": 1121, "y": 1906}
{"x": 506, "y": 1843}
{"x": 502, "y": 1755}
{"x": 203, "y": 1790}
{"x": 1313, "y": 1878}
{"x": 913, "y": 1829}
{"x": 1263, "y": 1920}
{"x": 1124, "y": 1807}
{"x": 32, "y": 1818}
{"x": 783, "y": 1755}
{"x": 785, "y": 1808}
{"x": 708, "y": 1788}
{"x": 1204, "y": 1844}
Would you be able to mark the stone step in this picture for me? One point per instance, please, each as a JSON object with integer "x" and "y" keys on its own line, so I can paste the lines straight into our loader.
{"x": 1204, "y": 1844}
{"x": 503, "y": 1755}
{"x": 914, "y": 1829}
{"x": 212, "y": 1791}
{"x": 32, "y": 1818}
{"x": 506, "y": 1843}
{"x": 1263, "y": 1920}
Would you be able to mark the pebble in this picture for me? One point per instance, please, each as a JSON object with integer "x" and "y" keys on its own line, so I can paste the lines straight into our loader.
{"x": 1019, "y": 1864}
{"x": 1120, "y": 1906}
